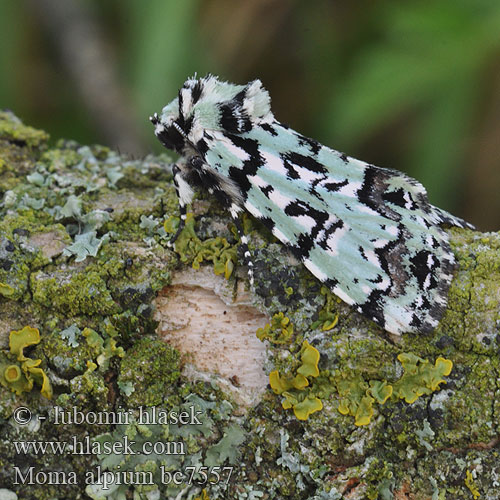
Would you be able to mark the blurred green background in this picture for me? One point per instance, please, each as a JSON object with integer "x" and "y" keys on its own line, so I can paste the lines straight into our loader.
{"x": 411, "y": 85}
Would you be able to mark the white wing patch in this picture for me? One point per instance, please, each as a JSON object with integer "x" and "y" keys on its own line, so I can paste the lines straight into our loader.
{"x": 274, "y": 163}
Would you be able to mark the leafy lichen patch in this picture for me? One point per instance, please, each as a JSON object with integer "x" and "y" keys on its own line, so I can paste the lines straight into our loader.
{"x": 18, "y": 372}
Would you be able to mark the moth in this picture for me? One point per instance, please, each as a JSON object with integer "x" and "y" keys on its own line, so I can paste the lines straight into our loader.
{"x": 368, "y": 233}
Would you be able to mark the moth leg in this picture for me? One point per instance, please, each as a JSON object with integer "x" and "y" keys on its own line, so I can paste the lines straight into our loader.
{"x": 182, "y": 223}
{"x": 244, "y": 245}
{"x": 184, "y": 194}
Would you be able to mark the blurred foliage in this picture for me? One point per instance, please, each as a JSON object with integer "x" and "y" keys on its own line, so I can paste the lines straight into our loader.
{"x": 410, "y": 85}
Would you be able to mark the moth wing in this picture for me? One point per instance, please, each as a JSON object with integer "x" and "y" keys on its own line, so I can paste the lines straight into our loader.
{"x": 368, "y": 233}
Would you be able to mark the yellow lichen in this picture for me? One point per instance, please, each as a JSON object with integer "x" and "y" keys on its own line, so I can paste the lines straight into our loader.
{"x": 279, "y": 331}
{"x": 355, "y": 399}
{"x": 380, "y": 390}
{"x": 42, "y": 380}
{"x": 420, "y": 377}
{"x": 364, "y": 412}
{"x": 310, "y": 360}
{"x": 328, "y": 325}
{"x": 327, "y": 318}
{"x": 19, "y": 339}
{"x": 21, "y": 378}
{"x": 292, "y": 387}
{"x": 6, "y": 290}
{"x": 12, "y": 373}
{"x": 204, "y": 495}
{"x": 306, "y": 407}
{"x": 281, "y": 384}
{"x": 471, "y": 485}
{"x": 191, "y": 248}
{"x": 104, "y": 349}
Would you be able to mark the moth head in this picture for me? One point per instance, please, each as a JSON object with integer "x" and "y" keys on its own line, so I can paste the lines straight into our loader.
{"x": 168, "y": 128}
{"x": 209, "y": 104}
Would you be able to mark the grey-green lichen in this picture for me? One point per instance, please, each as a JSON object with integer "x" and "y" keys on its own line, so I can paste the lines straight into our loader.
{"x": 82, "y": 256}
{"x": 460, "y": 416}
{"x": 92, "y": 301}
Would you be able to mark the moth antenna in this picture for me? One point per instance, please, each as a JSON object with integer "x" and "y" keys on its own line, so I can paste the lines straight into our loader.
{"x": 179, "y": 129}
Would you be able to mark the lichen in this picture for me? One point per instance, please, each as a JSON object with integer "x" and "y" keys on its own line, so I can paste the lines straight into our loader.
{"x": 355, "y": 399}
{"x": 73, "y": 293}
{"x": 279, "y": 331}
{"x": 104, "y": 349}
{"x": 13, "y": 130}
{"x": 420, "y": 376}
{"x": 198, "y": 445}
{"x": 51, "y": 196}
{"x": 6, "y": 290}
{"x": 21, "y": 377}
{"x": 292, "y": 387}
{"x": 471, "y": 485}
{"x": 149, "y": 373}
{"x": 191, "y": 249}
{"x": 327, "y": 316}
{"x": 203, "y": 496}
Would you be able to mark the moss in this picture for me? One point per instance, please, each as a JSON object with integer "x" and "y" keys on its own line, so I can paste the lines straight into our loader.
{"x": 20, "y": 225}
{"x": 88, "y": 387}
{"x": 67, "y": 361}
{"x": 151, "y": 370}
{"x": 13, "y": 130}
{"x": 420, "y": 450}
{"x": 110, "y": 300}
{"x": 19, "y": 253}
{"x": 473, "y": 297}
{"x": 73, "y": 293}
{"x": 203, "y": 443}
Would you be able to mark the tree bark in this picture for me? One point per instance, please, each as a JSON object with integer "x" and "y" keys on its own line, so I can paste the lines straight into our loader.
{"x": 125, "y": 322}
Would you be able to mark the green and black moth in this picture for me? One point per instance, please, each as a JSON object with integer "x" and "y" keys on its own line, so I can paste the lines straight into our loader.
{"x": 368, "y": 233}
